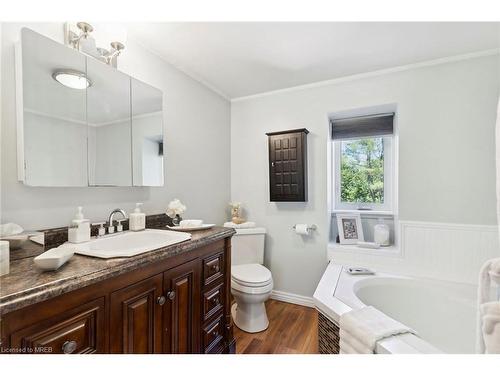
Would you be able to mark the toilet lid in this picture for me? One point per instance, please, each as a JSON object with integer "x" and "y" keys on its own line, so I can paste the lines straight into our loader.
{"x": 251, "y": 274}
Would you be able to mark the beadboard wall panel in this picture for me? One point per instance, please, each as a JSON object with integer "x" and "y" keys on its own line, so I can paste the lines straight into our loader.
{"x": 451, "y": 252}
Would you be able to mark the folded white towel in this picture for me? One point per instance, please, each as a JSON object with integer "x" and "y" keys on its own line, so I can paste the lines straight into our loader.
{"x": 489, "y": 271}
{"x": 367, "y": 325}
{"x": 190, "y": 223}
{"x": 490, "y": 313}
{"x": 10, "y": 229}
{"x": 350, "y": 345}
{"x": 247, "y": 224}
{"x": 495, "y": 271}
{"x": 347, "y": 348}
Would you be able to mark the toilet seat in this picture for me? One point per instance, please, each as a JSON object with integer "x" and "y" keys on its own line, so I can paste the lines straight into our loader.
{"x": 251, "y": 275}
{"x": 251, "y": 290}
{"x": 251, "y": 278}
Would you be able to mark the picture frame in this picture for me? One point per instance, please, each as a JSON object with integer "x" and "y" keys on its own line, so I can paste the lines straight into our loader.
{"x": 350, "y": 228}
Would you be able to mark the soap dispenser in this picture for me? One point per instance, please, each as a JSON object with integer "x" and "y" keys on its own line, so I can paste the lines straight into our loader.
{"x": 137, "y": 219}
{"x": 79, "y": 230}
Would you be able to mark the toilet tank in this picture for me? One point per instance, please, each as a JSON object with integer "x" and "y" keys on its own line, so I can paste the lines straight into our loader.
{"x": 247, "y": 246}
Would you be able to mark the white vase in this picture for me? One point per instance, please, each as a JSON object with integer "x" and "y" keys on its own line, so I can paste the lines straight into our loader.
{"x": 381, "y": 234}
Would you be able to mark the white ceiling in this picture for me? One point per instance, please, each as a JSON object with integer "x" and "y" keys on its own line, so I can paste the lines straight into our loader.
{"x": 240, "y": 59}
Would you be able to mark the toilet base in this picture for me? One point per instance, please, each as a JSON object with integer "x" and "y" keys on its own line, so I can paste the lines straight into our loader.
{"x": 250, "y": 318}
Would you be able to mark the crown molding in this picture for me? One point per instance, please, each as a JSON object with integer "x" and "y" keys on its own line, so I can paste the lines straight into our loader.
{"x": 189, "y": 73}
{"x": 375, "y": 73}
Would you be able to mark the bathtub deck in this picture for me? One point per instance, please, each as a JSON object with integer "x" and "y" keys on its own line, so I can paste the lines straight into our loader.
{"x": 292, "y": 329}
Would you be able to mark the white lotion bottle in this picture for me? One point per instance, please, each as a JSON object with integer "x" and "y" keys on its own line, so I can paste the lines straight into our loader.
{"x": 137, "y": 219}
{"x": 79, "y": 230}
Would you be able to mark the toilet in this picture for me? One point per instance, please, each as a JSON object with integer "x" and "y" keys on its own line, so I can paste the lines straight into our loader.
{"x": 251, "y": 282}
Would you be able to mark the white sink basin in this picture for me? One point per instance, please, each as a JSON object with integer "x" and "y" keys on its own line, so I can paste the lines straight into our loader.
{"x": 129, "y": 243}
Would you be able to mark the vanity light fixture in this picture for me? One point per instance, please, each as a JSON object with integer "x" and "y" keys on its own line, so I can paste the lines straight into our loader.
{"x": 109, "y": 57}
{"x": 85, "y": 30}
{"x": 73, "y": 79}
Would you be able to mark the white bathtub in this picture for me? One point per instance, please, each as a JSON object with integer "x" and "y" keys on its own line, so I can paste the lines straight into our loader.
{"x": 442, "y": 313}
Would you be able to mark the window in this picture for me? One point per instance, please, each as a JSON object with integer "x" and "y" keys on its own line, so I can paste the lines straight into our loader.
{"x": 363, "y": 163}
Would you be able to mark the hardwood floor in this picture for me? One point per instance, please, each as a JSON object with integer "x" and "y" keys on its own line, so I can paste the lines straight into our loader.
{"x": 293, "y": 329}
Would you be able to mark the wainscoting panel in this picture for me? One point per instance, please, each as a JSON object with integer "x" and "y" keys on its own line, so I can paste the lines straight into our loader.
{"x": 452, "y": 252}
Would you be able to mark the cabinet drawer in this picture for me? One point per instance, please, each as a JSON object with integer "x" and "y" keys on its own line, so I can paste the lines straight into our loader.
{"x": 213, "y": 334}
{"x": 77, "y": 331}
{"x": 213, "y": 268}
{"x": 213, "y": 301}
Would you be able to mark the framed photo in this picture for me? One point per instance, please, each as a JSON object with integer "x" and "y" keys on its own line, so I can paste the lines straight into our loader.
{"x": 350, "y": 228}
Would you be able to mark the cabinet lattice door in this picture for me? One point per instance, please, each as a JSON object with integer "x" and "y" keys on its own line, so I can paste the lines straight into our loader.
{"x": 288, "y": 165}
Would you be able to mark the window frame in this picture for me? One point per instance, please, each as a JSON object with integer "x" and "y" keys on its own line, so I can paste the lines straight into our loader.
{"x": 388, "y": 207}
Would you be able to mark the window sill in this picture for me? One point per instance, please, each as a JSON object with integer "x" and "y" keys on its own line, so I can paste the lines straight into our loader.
{"x": 364, "y": 212}
{"x": 392, "y": 250}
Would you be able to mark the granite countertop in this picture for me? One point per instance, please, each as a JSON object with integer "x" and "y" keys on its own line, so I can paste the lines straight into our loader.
{"x": 26, "y": 284}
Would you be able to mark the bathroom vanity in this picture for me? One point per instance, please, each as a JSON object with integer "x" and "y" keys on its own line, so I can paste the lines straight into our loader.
{"x": 174, "y": 299}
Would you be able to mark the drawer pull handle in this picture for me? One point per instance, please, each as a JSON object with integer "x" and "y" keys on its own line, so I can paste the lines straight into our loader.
{"x": 171, "y": 295}
{"x": 215, "y": 300}
{"x": 161, "y": 300}
{"x": 215, "y": 267}
{"x": 69, "y": 347}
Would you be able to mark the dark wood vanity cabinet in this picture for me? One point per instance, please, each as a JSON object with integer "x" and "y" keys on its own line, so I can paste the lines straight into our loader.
{"x": 182, "y": 312}
{"x": 288, "y": 165}
{"x": 162, "y": 306}
{"x": 179, "y": 305}
{"x": 136, "y": 317}
{"x": 78, "y": 330}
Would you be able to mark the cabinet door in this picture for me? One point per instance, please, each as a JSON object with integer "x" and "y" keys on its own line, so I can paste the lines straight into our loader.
{"x": 136, "y": 317}
{"x": 288, "y": 166}
{"x": 182, "y": 315}
{"x": 79, "y": 330}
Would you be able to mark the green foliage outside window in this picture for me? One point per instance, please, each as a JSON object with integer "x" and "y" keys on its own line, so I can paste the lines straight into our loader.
{"x": 362, "y": 171}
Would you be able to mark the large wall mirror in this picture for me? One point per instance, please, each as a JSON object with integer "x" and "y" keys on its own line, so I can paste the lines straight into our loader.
{"x": 147, "y": 134}
{"x": 110, "y": 128}
{"x": 82, "y": 122}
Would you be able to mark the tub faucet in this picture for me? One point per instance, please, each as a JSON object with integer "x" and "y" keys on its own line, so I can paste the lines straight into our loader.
{"x": 111, "y": 228}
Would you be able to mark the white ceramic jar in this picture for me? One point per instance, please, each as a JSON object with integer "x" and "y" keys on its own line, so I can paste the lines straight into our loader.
{"x": 4, "y": 257}
{"x": 381, "y": 234}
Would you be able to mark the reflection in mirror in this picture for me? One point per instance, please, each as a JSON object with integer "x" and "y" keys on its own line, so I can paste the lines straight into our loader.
{"x": 53, "y": 112}
{"x": 108, "y": 115}
{"x": 147, "y": 134}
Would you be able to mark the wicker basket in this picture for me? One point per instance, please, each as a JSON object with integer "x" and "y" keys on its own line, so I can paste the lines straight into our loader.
{"x": 328, "y": 335}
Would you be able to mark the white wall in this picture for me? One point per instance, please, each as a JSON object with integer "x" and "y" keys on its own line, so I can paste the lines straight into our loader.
{"x": 446, "y": 118}
{"x": 196, "y": 127}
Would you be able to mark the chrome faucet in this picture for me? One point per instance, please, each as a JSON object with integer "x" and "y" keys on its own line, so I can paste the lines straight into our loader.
{"x": 111, "y": 228}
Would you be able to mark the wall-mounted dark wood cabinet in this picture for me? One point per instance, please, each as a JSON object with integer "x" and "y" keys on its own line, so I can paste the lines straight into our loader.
{"x": 288, "y": 165}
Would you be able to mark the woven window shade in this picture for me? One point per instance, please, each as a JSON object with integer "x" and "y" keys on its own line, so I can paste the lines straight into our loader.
{"x": 363, "y": 126}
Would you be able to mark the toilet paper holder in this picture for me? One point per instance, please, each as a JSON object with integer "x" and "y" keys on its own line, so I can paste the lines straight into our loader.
{"x": 310, "y": 227}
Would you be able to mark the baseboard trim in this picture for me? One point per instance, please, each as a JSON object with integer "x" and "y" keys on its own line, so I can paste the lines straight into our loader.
{"x": 296, "y": 299}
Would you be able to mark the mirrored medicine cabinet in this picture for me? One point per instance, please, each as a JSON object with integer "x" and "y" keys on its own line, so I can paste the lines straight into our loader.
{"x": 83, "y": 123}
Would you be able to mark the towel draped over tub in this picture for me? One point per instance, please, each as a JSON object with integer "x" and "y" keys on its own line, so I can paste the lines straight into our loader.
{"x": 361, "y": 329}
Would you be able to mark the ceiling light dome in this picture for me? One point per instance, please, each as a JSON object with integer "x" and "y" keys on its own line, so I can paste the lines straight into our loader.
{"x": 72, "y": 79}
